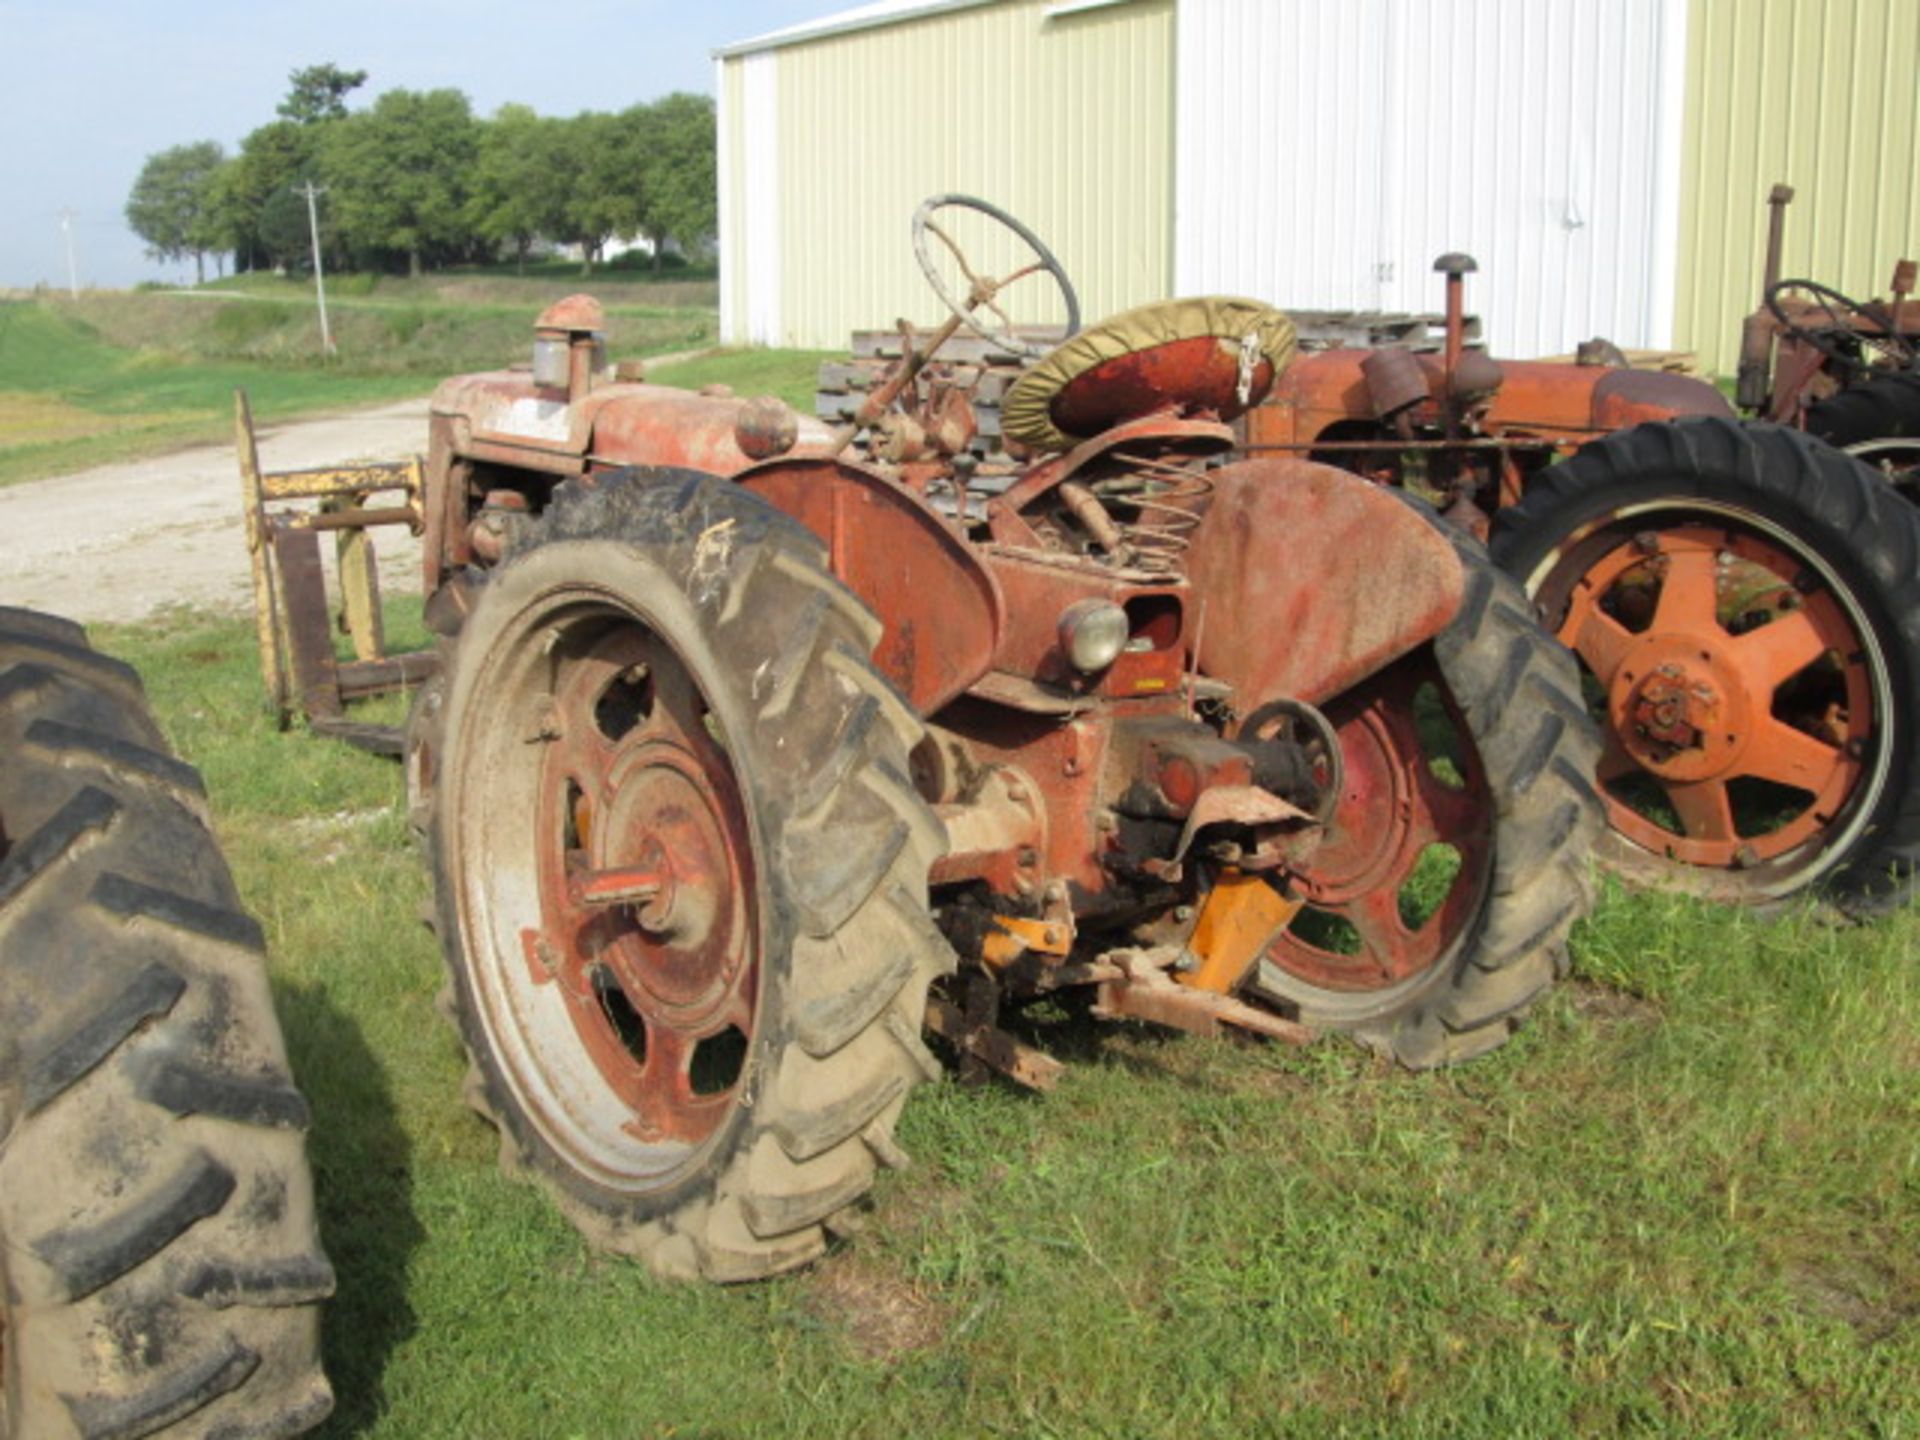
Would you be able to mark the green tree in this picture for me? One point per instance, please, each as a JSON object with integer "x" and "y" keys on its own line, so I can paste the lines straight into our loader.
{"x": 520, "y": 181}
{"x": 600, "y": 158}
{"x": 172, "y": 205}
{"x": 285, "y": 233}
{"x": 318, "y": 93}
{"x": 398, "y": 172}
{"x": 273, "y": 159}
{"x": 679, "y": 189}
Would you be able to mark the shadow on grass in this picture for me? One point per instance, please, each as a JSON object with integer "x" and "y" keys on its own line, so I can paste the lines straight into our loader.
{"x": 1064, "y": 1026}
{"x": 363, "y": 1181}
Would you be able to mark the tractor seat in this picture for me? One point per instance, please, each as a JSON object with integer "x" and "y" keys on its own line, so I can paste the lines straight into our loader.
{"x": 1210, "y": 353}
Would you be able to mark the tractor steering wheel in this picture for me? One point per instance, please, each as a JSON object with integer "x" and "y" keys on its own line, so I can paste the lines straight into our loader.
{"x": 1846, "y": 315}
{"x": 981, "y": 291}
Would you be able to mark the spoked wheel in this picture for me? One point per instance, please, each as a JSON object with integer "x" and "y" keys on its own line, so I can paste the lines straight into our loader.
{"x": 645, "y": 878}
{"x": 1400, "y": 876}
{"x": 1455, "y": 861}
{"x": 1736, "y": 596}
{"x": 682, "y": 880}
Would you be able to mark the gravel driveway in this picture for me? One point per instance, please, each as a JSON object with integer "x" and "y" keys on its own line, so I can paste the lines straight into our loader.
{"x": 119, "y": 542}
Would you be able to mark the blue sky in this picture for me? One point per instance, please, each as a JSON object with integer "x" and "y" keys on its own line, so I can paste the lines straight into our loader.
{"x": 90, "y": 88}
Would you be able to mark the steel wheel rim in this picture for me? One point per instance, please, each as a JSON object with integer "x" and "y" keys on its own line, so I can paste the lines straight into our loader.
{"x": 559, "y": 978}
{"x": 1737, "y": 845}
{"x": 1401, "y": 798}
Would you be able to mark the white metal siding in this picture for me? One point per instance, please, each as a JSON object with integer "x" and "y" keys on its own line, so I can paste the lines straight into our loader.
{"x": 1328, "y": 150}
{"x": 760, "y": 196}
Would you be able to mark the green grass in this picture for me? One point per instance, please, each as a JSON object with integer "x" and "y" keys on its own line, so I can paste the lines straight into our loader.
{"x": 113, "y": 375}
{"x": 1686, "y": 1200}
{"x": 69, "y": 398}
{"x": 789, "y": 374}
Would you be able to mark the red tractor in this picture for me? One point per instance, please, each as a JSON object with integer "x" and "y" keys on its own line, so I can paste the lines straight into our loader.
{"x": 1845, "y": 370}
{"x": 748, "y": 759}
{"x": 1742, "y": 597}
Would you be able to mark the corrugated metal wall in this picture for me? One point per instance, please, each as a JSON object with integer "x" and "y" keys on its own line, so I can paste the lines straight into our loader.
{"x": 1329, "y": 150}
{"x": 1065, "y": 121}
{"x": 1821, "y": 94}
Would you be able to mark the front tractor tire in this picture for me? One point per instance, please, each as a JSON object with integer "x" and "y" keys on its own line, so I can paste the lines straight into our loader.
{"x": 682, "y": 876}
{"x": 1456, "y": 859}
{"x": 160, "y": 1271}
{"x": 1745, "y": 603}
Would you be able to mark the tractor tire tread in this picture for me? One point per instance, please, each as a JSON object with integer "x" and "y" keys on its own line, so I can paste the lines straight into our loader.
{"x": 130, "y": 980}
{"x": 1885, "y": 407}
{"x": 1519, "y": 693}
{"x": 834, "y": 1071}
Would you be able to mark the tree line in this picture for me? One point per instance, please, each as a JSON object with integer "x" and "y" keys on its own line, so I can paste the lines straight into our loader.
{"x": 417, "y": 181}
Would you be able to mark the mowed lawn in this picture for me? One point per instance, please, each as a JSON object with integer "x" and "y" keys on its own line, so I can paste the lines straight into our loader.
{"x": 1686, "y": 1200}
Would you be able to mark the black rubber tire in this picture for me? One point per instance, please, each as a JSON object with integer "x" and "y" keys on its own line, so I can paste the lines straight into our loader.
{"x": 163, "y": 1274}
{"x": 1840, "y": 512}
{"x": 842, "y": 849}
{"x": 1886, "y": 407}
{"x": 1519, "y": 694}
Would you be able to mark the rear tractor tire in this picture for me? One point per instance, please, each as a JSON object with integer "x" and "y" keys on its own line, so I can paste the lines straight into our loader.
{"x": 1456, "y": 860}
{"x": 1885, "y": 407}
{"x": 682, "y": 876}
{"x": 1745, "y": 603}
{"x": 1877, "y": 422}
{"x": 160, "y": 1273}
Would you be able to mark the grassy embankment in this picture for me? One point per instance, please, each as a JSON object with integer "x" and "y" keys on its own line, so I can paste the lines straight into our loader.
{"x": 117, "y": 375}
{"x": 1685, "y": 1201}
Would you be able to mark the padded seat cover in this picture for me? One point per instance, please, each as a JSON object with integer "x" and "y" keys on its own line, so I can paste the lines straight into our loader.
{"x": 1207, "y": 353}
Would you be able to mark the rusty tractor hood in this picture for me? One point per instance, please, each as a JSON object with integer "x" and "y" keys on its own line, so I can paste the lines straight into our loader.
{"x": 1536, "y": 397}
{"x": 502, "y": 415}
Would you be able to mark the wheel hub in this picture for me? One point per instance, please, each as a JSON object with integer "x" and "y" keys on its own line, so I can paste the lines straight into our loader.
{"x": 681, "y": 951}
{"x": 1373, "y": 841}
{"x": 1680, "y": 707}
{"x": 1399, "y": 877}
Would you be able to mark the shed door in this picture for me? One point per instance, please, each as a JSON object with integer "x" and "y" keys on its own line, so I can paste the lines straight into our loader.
{"x": 1279, "y": 150}
{"x": 1540, "y": 136}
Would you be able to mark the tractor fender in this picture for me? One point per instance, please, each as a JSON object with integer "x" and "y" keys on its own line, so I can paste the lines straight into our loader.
{"x": 1313, "y": 579}
{"x": 1631, "y": 397}
{"x": 940, "y": 607}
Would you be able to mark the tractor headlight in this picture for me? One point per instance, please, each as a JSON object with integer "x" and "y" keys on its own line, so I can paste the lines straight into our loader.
{"x": 1093, "y": 633}
{"x": 550, "y": 364}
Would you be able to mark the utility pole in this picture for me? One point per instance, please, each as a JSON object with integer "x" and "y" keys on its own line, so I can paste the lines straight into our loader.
{"x": 73, "y": 271}
{"x": 314, "y": 192}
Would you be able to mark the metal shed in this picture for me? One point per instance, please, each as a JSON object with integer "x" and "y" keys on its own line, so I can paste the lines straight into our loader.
{"x": 1605, "y": 160}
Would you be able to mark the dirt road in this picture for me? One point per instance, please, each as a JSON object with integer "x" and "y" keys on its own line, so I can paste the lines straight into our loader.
{"x": 120, "y": 542}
